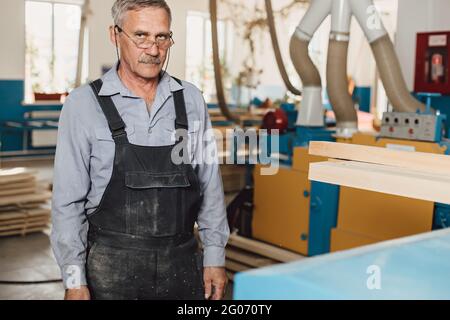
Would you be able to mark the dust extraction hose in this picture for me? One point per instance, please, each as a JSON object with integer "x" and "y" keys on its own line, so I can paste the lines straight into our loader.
{"x": 392, "y": 77}
{"x": 217, "y": 69}
{"x": 303, "y": 64}
{"x": 337, "y": 85}
{"x": 277, "y": 51}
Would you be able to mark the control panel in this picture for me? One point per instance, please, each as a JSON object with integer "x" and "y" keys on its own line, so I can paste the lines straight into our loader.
{"x": 413, "y": 126}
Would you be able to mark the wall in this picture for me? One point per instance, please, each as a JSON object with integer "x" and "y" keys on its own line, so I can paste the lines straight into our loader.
{"x": 418, "y": 16}
{"x": 12, "y": 31}
{"x": 180, "y": 9}
{"x": 101, "y": 51}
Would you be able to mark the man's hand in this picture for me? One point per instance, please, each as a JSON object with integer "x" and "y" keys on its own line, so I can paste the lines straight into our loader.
{"x": 215, "y": 283}
{"x": 78, "y": 294}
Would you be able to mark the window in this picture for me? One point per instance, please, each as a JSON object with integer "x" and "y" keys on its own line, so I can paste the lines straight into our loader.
{"x": 199, "y": 57}
{"x": 52, "y": 33}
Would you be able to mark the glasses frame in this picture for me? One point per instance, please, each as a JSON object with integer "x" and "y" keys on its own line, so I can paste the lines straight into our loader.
{"x": 172, "y": 42}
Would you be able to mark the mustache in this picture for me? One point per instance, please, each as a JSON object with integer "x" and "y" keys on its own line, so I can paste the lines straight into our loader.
{"x": 149, "y": 60}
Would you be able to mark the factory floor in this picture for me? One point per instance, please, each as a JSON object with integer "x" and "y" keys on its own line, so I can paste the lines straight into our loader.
{"x": 30, "y": 258}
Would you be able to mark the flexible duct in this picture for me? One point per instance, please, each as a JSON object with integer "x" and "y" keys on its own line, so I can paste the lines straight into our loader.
{"x": 392, "y": 77}
{"x": 217, "y": 68}
{"x": 337, "y": 82}
{"x": 277, "y": 51}
{"x": 303, "y": 64}
{"x": 311, "y": 111}
{"x": 337, "y": 85}
{"x": 385, "y": 56}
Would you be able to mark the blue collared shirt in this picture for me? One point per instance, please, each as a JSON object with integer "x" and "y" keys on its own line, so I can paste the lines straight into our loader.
{"x": 85, "y": 154}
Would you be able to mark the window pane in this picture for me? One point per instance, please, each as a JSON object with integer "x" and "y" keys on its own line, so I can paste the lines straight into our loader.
{"x": 199, "y": 57}
{"x": 67, "y": 30}
{"x": 38, "y": 46}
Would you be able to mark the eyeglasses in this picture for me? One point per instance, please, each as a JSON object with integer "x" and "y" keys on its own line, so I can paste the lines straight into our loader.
{"x": 143, "y": 40}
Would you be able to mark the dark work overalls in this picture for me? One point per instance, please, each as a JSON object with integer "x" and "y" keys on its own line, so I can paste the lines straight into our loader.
{"x": 141, "y": 243}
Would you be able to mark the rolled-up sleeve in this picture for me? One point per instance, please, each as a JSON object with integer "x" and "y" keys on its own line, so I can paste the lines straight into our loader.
{"x": 212, "y": 219}
{"x": 71, "y": 185}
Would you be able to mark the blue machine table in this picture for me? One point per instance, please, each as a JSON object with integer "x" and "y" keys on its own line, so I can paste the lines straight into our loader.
{"x": 410, "y": 268}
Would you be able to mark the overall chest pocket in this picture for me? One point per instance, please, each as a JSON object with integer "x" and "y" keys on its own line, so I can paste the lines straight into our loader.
{"x": 157, "y": 203}
{"x": 145, "y": 180}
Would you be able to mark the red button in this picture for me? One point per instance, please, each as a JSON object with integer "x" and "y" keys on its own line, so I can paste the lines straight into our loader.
{"x": 411, "y": 131}
{"x": 391, "y": 129}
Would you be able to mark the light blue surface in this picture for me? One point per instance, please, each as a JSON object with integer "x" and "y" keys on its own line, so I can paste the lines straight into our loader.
{"x": 410, "y": 268}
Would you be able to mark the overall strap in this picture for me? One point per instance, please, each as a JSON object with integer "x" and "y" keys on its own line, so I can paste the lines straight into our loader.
{"x": 181, "y": 121}
{"x": 115, "y": 121}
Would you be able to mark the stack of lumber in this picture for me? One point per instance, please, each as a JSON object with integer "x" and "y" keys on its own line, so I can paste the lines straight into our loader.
{"x": 243, "y": 254}
{"x": 23, "y": 203}
{"x": 233, "y": 177}
{"x": 243, "y": 114}
{"x": 415, "y": 175}
{"x": 233, "y": 174}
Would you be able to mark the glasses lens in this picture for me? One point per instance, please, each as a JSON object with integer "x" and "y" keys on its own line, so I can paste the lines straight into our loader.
{"x": 161, "y": 44}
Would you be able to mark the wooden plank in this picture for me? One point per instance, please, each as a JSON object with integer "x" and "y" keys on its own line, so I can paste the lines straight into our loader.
{"x": 16, "y": 192}
{"x": 19, "y": 215}
{"x": 263, "y": 249}
{"x": 15, "y": 175}
{"x": 24, "y": 226}
{"x": 384, "y": 179}
{"x": 13, "y": 179}
{"x": 32, "y": 205}
{"x": 25, "y": 221}
{"x": 247, "y": 258}
{"x": 24, "y": 214}
{"x": 22, "y": 207}
{"x": 418, "y": 161}
{"x": 236, "y": 266}
{"x": 22, "y": 232}
{"x": 19, "y": 185}
{"x": 25, "y": 198}
{"x": 36, "y": 213}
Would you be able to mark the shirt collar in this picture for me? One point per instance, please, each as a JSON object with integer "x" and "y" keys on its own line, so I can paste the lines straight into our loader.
{"x": 112, "y": 85}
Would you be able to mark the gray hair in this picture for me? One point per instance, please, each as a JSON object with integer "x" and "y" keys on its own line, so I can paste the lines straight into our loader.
{"x": 121, "y": 6}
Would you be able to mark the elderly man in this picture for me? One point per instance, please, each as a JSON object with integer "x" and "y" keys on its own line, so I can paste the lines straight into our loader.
{"x": 124, "y": 205}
